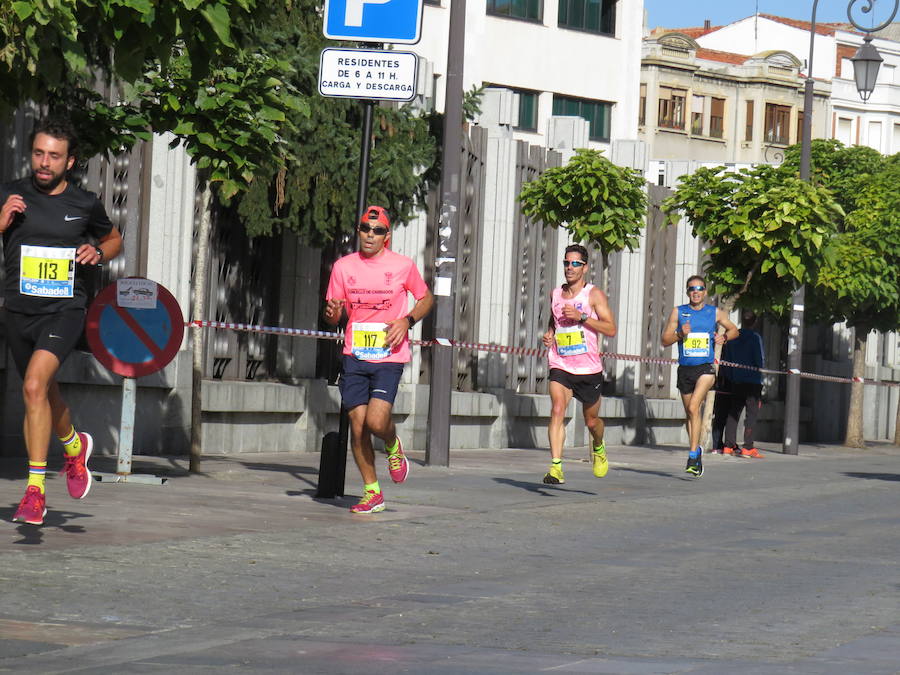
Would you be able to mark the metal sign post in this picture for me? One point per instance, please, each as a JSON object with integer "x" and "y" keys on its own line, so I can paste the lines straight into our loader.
{"x": 134, "y": 327}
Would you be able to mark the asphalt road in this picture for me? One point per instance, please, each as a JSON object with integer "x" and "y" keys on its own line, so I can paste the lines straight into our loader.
{"x": 779, "y": 565}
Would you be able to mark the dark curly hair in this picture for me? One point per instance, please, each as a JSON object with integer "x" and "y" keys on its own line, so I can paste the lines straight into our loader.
{"x": 579, "y": 249}
{"x": 57, "y": 127}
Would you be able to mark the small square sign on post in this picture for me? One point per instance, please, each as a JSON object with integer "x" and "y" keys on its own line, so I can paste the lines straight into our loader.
{"x": 368, "y": 74}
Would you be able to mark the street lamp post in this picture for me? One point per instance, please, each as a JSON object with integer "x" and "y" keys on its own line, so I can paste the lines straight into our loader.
{"x": 866, "y": 62}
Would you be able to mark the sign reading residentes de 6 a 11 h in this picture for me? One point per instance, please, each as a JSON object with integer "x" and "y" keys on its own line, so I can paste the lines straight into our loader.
{"x": 368, "y": 73}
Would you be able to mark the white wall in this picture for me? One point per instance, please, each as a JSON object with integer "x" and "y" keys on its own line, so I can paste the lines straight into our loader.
{"x": 874, "y": 122}
{"x": 544, "y": 58}
{"x": 754, "y": 35}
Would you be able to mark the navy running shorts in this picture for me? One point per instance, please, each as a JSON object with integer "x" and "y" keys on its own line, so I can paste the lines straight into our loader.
{"x": 364, "y": 380}
{"x": 586, "y": 388}
{"x": 57, "y": 333}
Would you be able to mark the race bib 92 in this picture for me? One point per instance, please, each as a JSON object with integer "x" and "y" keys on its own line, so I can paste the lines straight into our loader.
{"x": 696, "y": 344}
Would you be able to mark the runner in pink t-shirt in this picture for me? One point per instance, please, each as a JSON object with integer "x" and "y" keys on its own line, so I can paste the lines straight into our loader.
{"x": 580, "y": 313}
{"x": 371, "y": 289}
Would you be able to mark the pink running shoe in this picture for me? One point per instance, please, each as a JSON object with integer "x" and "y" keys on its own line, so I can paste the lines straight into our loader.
{"x": 372, "y": 502}
{"x": 78, "y": 476}
{"x": 398, "y": 465}
{"x": 32, "y": 508}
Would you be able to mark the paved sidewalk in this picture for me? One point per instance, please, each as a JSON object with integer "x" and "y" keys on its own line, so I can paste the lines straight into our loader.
{"x": 779, "y": 565}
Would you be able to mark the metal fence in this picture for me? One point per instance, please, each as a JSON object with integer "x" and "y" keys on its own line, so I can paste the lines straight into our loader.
{"x": 533, "y": 278}
{"x": 659, "y": 281}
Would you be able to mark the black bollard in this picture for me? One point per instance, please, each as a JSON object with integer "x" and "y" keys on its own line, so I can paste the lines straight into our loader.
{"x": 333, "y": 461}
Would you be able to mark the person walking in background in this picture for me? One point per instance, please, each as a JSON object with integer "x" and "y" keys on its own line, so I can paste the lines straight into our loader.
{"x": 744, "y": 386}
{"x": 579, "y": 314}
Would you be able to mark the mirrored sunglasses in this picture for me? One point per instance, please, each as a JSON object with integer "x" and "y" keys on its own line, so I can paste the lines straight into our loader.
{"x": 378, "y": 229}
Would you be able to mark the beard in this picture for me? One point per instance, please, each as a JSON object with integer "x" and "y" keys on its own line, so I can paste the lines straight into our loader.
{"x": 47, "y": 184}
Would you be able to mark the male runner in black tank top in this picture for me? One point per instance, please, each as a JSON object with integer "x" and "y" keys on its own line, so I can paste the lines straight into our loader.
{"x": 48, "y": 226}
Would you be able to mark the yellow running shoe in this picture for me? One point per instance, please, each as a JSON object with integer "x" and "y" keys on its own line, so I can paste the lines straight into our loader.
{"x": 601, "y": 464}
{"x": 555, "y": 475}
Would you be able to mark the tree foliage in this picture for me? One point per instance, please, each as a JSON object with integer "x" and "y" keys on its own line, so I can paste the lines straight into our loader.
{"x": 315, "y": 194}
{"x": 766, "y": 231}
{"x": 860, "y": 284}
{"x": 180, "y": 66}
{"x": 592, "y": 198}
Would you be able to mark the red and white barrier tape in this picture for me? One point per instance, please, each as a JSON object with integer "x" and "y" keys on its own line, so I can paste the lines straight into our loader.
{"x": 520, "y": 351}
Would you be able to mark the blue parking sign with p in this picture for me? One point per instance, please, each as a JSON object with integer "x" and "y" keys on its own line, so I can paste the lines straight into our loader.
{"x": 373, "y": 20}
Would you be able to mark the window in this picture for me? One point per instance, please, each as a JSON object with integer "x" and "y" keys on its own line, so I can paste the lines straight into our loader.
{"x": 844, "y": 131}
{"x": 593, "y": 16}
{"x": 597, "y": 113}
{"x": 717, "y": 118}
{"x": 530, "y": 10}
{"x": 873, "y": 136}
{"x": 800, "y": 126}
{"x": 697, "y": 106}
{"x": 748, "y": 131}
{"x": 528, "y": 110}
{"x": 642, "y": 107}
{"x": 671, "y": 108}
{"x": 778, "y": 123}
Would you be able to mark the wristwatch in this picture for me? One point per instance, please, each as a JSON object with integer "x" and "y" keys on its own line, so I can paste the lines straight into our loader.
{"x": 411, "y": 320}
{"x": 584, "y": 317}
{"x": 99, "y": 251}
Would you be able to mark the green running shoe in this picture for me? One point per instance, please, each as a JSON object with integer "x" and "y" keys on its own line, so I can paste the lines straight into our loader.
{"x": 601, "y": 464}
{"x": 555, "y": 475}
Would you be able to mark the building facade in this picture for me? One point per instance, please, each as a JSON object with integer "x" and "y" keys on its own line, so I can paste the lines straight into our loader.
{"x": 701, "y": 106}
{"x": 876, "y": 122}
{"x": 561, "y": 57}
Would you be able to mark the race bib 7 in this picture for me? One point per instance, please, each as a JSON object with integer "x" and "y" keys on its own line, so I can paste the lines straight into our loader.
{"x": 570, "y": 341}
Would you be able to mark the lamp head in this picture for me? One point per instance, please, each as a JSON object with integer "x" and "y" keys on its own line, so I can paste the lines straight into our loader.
{"x": 866, "y": 63}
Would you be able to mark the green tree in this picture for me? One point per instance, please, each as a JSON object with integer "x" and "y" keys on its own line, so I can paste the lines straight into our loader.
{"x": 315, "y": 194}
{"x": 766, "y": 232}
{"x": 595, "y": 200}
{"x": 183, "y": 66}
{"x": 860, "y": 283}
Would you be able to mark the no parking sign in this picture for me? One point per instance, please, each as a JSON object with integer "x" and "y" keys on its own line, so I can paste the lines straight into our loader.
{"x": 134, "y": 327}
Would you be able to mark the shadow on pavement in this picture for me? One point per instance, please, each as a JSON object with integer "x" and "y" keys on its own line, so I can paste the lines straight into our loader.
{"x": 873, "y": 476}
{"x": 541, "y": 488}
{"x": 664, "y": 474}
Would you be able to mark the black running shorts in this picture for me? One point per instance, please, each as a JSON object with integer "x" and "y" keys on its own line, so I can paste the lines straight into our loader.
{"x": 57, "y": 333}
{"x": 688, "y": 376}
{"x": 586, "y": 388}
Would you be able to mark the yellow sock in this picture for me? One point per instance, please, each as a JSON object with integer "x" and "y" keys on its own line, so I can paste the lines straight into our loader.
{"x": 37, "y": 472}
{"x": 392, "y": 448}
{"x": 71, "y": 443}
{"x": 372, "y": 487}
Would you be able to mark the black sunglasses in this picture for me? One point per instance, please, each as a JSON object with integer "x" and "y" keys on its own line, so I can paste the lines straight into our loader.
{"x": 378, "y": 229}
{"x": 696, "y": 288}
{"x": 574, "y": 263}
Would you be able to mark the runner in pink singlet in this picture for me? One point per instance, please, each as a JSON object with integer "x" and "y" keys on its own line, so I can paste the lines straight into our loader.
{"x": 580, "y": 314}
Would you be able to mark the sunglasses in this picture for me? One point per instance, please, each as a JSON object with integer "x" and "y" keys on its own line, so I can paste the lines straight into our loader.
{"x": 696, "y": 288}
{"x": 378, "y": 229}
{"x": 574, "y": 263}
